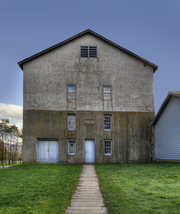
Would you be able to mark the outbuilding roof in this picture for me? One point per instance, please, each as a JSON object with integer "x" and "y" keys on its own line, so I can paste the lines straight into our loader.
{"x": 88, "y": 31}
{"x": 165, "y": 102}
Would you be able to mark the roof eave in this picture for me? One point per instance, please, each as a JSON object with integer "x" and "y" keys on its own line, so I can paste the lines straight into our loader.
{"x": 49, "y": 49}
{"x": 164, "y": 104}
{"x": 155, "y": 67}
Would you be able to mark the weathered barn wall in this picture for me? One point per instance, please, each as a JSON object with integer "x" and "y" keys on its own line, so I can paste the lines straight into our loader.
{"x": 153, "y": 153}
{"x": 130, "y": 134}
{"x": 46, "y": 77}
{"x": 46, "y": 105}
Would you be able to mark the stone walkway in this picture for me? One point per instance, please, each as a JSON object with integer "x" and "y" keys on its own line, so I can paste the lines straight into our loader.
{"x": 87, "y": 197}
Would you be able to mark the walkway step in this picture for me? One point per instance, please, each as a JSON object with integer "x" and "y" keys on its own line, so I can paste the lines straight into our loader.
{"x": 87, "y": 198}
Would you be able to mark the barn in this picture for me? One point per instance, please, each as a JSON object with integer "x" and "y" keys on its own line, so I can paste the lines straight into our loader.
{"x": 87, "y": 100}
{"x": 167, "y": 128}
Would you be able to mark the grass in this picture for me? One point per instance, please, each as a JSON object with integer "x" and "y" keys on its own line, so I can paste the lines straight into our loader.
{"x": 7, "y": 163}
{"x": 37, "y": 188}
{"x": 135, "y": 188}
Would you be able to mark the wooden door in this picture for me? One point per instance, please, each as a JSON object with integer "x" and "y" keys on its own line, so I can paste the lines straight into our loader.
{"x": 48, "y": 151}
{"x": 89, "y": 152}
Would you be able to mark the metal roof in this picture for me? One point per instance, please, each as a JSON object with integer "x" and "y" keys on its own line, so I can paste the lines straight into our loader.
{"x": 88, "y": 31}
{"x": 165, "y": 102}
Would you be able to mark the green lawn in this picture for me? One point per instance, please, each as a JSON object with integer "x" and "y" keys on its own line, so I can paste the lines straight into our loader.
{"x": 135, "y": 188}
{"x": 37, "y": 188}
{"x": 7, "y": 163}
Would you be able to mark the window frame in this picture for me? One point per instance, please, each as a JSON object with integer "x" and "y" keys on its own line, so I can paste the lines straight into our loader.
{"x": 80, "y": 56}
{"x": 108, "y": 154}
{"x": 69, "y": 122}
{"x": 68, "y": 85}
{"x": 107, "y": 115}
{"x": 69, "y": 147}
{"x": 109, "y": 86}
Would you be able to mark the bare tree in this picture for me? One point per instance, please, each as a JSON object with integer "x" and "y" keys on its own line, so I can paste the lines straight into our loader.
{"x": 10, "y": 136}
{"x": 4, "y": 126}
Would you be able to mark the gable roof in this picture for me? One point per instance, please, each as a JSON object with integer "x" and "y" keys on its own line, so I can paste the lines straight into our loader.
{"x": 164, "y": 104}
{"x": 88, "y": 31}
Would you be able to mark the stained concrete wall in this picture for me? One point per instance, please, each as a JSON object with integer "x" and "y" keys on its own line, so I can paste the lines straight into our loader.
{"x": 46, "y": 105}
{"x": 46, "y": 77}
{"x": 130, "y": 135}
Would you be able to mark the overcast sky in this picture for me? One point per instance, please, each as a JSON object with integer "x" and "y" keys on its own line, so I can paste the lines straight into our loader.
{"x": 149, "y": 28}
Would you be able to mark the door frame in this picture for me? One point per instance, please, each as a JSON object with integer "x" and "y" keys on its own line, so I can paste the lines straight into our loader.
{"x": 92, "y": 140}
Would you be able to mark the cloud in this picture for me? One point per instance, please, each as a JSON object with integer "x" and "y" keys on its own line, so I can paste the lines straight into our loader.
{"x": 16, "y": 122}
{"x": 13, "y": 112}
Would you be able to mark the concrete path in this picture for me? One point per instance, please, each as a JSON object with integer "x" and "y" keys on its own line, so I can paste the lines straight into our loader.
{"x": 5, "y": 166}
{"x": 87, "y": 197}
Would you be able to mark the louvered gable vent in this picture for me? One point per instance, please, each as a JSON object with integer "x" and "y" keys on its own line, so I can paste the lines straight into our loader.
{"x": 88, "y": 51}
{"x": 84, "y": 51}
{"x": 92, "y": 51}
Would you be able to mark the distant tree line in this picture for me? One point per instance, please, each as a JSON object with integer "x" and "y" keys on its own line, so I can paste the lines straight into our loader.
{"x": 10, "y": 142}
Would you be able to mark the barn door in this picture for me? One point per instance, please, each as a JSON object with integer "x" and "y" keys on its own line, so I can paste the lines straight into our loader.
{"x": 43, "y": 147}
{"x": 89, "y": 152}
{"x": 53, "y": 151}
{"x": 48, "y": 151}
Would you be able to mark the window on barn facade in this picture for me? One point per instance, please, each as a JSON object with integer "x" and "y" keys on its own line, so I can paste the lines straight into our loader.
{"x": 71, "y": 92}
{"x": 71, "y": 122}
{"x": 107, "y": 92}
{"x": 107, "y": 147}
{"x": 107, "y": 122}
{"x": 88, "y": 51}
{"x": 71, "y": 147}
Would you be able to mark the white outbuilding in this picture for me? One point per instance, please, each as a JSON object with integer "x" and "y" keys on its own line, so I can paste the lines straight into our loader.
{"x": 167, "y": 128}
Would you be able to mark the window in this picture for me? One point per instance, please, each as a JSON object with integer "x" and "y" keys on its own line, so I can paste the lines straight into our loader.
{"x": 71, "y": 147}
{"x": 88, "y": 51}
{"x": 107, "y": 122}
{"x": 71, "y": 92}
{"x": 107, "y": 92}
{"x": 107, "y": 147}
{"x": 71, "y": 122}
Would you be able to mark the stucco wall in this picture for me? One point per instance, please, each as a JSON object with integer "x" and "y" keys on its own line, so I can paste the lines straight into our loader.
{"x": 46, "y": 77}
{"x": 130, "y": 135}
{"x": 46, "y": 105}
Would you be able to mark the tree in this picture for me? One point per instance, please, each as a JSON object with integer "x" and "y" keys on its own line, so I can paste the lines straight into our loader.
{"x": 10, "y": 136}
{"x": 4, "y": 126}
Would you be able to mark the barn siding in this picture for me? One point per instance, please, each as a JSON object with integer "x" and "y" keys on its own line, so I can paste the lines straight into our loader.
{"x": 167, "y": 131}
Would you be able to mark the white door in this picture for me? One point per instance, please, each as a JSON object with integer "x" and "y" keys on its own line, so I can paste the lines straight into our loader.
{"x": 48, "y": 151}
{"x": 89, "y": 152}
{"x": 43, "y": 147}
{"x": 53, "y": 151}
